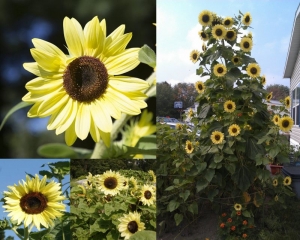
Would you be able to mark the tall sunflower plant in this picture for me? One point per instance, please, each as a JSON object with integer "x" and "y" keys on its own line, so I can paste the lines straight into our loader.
{"x": 36, "y": 206}
{"x": 239, "y": 133}
{"x": 85, "y": 92}
{"x": 114, "y": 205}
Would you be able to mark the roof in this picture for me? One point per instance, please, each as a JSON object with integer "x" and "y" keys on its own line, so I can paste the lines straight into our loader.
{"x": 293, "y": 47}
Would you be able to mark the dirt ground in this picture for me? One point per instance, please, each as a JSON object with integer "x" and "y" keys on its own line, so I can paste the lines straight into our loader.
{"x": 203, "y": 228}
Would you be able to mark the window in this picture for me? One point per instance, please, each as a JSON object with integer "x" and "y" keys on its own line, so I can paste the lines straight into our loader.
{"x": 295, "y": 105}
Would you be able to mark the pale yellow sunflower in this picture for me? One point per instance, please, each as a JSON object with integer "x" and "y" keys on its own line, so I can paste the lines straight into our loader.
{"x": 287, "y": 181}
{"x": 203, "y": 35}
{"x": 275, "y": 182}
{"x": 35, "y": 202}
{"x": 246, "y": 44}
{"x": 82, "y": 91}
{"x": 194, "y": 56}
{"x": 237, "y": 207}
{"x": 253, "y": 70}
{"x": 269, "y": 96}
{"x": 148, "y": 195}
{"x": 189, "y": 147}
{"x": 111, "y": 182}
{"x": 219, "y": 31}
{"x": 234, "y": 130}
{"x": 276, "y": 198}
{"x": 228, "y": 22}
{"x": 190, "y": 113}
{"x": 200, "y": 87}
{"x": 263, "y": 80}
{"x": 205, "y": 18}
{"x": 220, "y": 70}
{"x": 133, "y": 185}
{"x": 236, "y": 60}
{"x": 129, "y": 224}
{"x": 275, "y": 119}
{"x": 229, "y": 106}
{"x": 287, "y": 102}
{"x": 217, "y": 137}
{"x": 230, "y": 35}
{"x": 247, "y": 19}
{"x": 204, "y": 47}
{"x": 152, "y": 175}
{"x": 285, "y": 123}
{"x": 178, "y": 126}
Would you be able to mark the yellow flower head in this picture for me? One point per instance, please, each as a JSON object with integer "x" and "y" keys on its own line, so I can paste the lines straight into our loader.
{"x": 236, "y": 60}
{"x": 269, "y": 96}
{"x": 189, "y": 147}
{"x": 228, "y": 22}
{"x": 111, "y": 182}
{"x": 234, "y": 130}
{"x": 287, "y": 102}
{"x": 129, "y": 224}
{"x": 152, "y": 175}
{"x": 276, "y": 198}
{"x": 205, "y": 18}
{"x": 81, "y": 91}
{"x": 219, "y": 31}
{"x": 178, "y": 126}
{"x": 194, "y": 56}
{"x": 148, "y": 195}
{"x": 253, "y": 70}
{"x": 237, "y": 207}
{"x": 229, "y": 106}
{"x": 285, "y": 123}
{"x": 220, "y": 70}
{"x": 203, "y": 35}
{"x": 275, "y": 182}
{"x": 246, "y": 44}
{"x": 287, "y": 181}
{"x": 217, "y": 137}
{"x": 190, "y": 113}
{"x": 230, "y": 35}
{"x": 276, "y": 119}
{"x": 35, "y": 202}
{"x": 247, "y": 19}
{"x": 263, "y": 80}
{"x": 203, "y": 47}
{"x": 200, "y": 87}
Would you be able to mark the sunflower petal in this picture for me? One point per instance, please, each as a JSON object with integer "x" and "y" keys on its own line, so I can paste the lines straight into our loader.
{"x": 83, "y": 121}
{"x": 73, "y": 37}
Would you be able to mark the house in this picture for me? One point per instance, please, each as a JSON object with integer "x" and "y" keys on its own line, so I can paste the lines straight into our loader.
{"x": 292, "y": 71}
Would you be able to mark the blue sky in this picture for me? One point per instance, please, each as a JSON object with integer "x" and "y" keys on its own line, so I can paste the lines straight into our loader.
{"x": 177, "y": 35}
{"x": 14, "y": 170}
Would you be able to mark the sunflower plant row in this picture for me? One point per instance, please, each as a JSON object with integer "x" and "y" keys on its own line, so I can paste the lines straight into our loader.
{"x": 114, "y": 205}
{"x": 37, "y": 207}
{"x": 239, "y": 132}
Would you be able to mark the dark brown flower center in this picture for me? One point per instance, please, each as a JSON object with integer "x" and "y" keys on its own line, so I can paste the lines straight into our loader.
{"x": 285, "y": 123}
{"x": 219, "y": 32}
{"x": 205, "y": 18}
{"x": 229, "y": 106}
{"x": 227, "y": 22}
{"x": 147, "y": 194}
{"x": 246, "y": 44}
{"x": 195, "y": 56}
{"x": 85, "y": 79}
{"x": 253, "y": 70}
{"x": 236, "y": 60}
{"x": 234, "y": 130}
{"x": 200, "y": 87}
{"x": 110, "y": 182}
{"x": 220, "y": 70}
{"x": 230, "y": 34}
{"x": 203, "y": 34}
{"x": 132, "y": 227}
{"x": 247, "y": 19}
{"x": 33, "y": 203}
{"x": 217, "y": 137}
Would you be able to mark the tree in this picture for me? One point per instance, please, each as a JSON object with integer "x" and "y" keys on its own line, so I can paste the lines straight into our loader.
{"x": 279, "y": 91}
{"x": 186, "y": 93}
{"x": 165, "y": 100}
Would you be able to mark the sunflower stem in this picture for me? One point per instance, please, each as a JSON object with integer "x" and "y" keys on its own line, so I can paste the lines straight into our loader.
{"x": 26, "y": 233}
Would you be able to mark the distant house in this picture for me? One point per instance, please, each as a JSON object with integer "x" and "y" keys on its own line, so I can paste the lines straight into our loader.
{"x": 292, "y": 71}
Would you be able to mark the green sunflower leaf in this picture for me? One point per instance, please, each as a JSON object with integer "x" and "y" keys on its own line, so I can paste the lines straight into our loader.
{"x": 14, "y": 109}
{"x": 147, "y": 56}
{"x": 178, "y": 218}
{"x": 146, "y": 235}
{"x": 56, "y": 150}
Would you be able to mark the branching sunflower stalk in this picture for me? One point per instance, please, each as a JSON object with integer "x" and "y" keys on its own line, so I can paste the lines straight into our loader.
{"x": 84, "y": 90}
{"x": 114, "y": 205}
{"x": 37, "y": 207}
{"x": 226, "y": 164}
